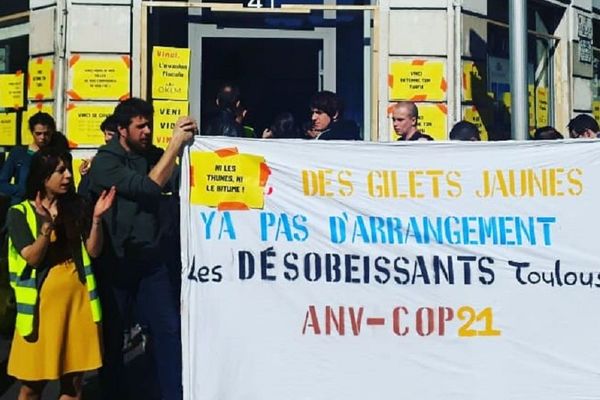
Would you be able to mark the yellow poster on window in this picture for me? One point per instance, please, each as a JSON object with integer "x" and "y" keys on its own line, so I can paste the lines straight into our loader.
{"x": 471, "y": 77}
{"x": 472, "y": 115}
{"x": 40, "y": 82}
{"x": 166, "y": 113}
{"x": 8, "y": 129}
{"x": 541, "y": 107}
{"x": 170, "y": 73}
{"x": 83, "y": 123}
{"x": 12, "y": 90}
{"x": 33, "y": 108}
{"x": 596, "y": 110}
{"x": 94, "y": 78}
{"x": 417, "y": 80}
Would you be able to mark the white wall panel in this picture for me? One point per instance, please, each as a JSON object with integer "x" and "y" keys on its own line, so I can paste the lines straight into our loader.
{"x": 418, "y": 32}
{"x": 41, "y": 37}
{"x": 41, "y": 3}
{"x": 99, "y": 29}
{"x": 582, "y": 96}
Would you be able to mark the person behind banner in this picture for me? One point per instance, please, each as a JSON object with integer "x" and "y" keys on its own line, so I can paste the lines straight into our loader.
{"x": 16, "y": 168}
{"x": 583, "y": 126}
{"x": 226, "y": 121}
{"x": 51, "y": 240}
{"x": 405, "y": 116}
{"x": 133, "y": 267}
{"x": 327, "y": 123}
{"x": 108, "y": 128}
{"x": 547, "y": 133}
{"x": 465, "y": 131}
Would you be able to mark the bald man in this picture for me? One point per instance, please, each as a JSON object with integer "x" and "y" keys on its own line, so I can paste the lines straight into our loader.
{"x": 404, "y": 118}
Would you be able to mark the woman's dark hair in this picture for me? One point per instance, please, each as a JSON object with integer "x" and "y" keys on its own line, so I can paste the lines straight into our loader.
{"x": 284, "y": 127}
{"x": 72, "y": 209}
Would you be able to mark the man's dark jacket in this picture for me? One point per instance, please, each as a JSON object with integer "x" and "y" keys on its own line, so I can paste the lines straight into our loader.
{"x": 223, "y": 123}
{"x": 132, "y": 224}
{"x": 341, "y": 130}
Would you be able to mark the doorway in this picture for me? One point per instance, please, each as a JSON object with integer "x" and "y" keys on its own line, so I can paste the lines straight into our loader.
{"x": 274, "y": 76}
{"x": 277, "y": 70}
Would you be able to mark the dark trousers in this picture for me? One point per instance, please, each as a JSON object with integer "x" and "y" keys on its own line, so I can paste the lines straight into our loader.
{"x": 150, "y": 291}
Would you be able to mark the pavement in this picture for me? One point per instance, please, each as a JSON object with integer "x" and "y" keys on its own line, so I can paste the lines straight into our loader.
{"x": 139, "y": 369}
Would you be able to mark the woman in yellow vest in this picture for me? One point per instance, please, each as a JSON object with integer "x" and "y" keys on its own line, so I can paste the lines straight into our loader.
{"x": 51, "y": 237}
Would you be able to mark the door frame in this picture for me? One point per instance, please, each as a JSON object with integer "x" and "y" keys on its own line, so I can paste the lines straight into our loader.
{"x": 197, "y": 32}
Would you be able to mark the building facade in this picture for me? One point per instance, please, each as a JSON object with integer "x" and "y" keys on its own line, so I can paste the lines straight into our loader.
{"x": 449, "y": 56}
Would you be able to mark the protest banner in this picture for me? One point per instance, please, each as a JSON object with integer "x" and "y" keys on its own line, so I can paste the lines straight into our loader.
{"x": 418, "y": 270}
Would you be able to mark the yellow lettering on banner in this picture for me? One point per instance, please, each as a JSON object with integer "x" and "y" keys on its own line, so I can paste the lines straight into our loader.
{"x": 596, "y": 110}
{"x": 33, "y": 108}
{"x": 8, "y": 129}
{"x": 40, "y": 83}
{"x": 96, "y": 78}
{"x": 417, "y": 80}
{"x": 83, "y": 123}
{"x": 12, "y": 90}
{"x": 541, "y": 107}
{"x": 471, "y": 114}
{"x": 170, "y": 73}
{"x": 228, "y": 180}
{"x": 545, "y": 182}
{"x": 166, "y": 114}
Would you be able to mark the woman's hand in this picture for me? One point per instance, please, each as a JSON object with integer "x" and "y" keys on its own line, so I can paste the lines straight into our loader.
{"x": 47, "y": 213}
{"x": 104, "y": 202}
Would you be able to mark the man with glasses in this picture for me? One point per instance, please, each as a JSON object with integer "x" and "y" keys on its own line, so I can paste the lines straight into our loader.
{"x": 16, "y": 168}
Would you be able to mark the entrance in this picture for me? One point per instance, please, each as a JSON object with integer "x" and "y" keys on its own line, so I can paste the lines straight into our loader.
{"x": 274, "y": 76}
{"x": 276, "y": 70}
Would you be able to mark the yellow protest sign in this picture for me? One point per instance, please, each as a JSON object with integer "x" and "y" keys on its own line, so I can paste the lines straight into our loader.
{"x": 432, "y": 121}
{"x": 40, "y": 82}
{"x": 417, "y": 80}
{"x": 12, "y": 90}
{"x": 33, "y": 109}
{"x": 541, "y": 107}
{"x": 471, "y": 114}
{"x": 94, "y": 78}
{"x": 596, "y": 110}
{"x": 83, "y": 123}
{"x": 166, "y": 113}
{"x": 227, "y": 179}
{"x": 8, "y": 129}
{"x": 170, "y": 73}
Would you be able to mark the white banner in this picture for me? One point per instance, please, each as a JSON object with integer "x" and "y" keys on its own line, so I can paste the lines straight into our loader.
{"x": 419, "y": 270}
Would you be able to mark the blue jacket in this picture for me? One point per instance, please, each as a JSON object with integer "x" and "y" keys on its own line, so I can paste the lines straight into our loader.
{"x": 17, "y": 165}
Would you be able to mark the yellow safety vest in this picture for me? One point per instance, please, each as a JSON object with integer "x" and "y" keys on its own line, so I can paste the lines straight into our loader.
{"x": 26, "y": 292}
